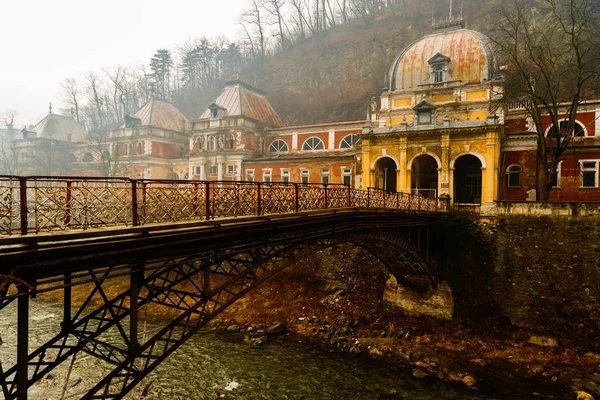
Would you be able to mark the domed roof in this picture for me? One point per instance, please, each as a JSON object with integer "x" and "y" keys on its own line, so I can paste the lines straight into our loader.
{"x": 60, "y": 127}
{"x": 472, "y": 59}
{"x": 158, "y": 114}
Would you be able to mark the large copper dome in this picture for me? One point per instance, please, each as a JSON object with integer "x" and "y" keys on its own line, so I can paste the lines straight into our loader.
{"x": 472, "y": 59}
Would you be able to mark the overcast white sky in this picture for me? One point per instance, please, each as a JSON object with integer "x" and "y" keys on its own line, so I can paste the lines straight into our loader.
{"x": 42, "y": 42}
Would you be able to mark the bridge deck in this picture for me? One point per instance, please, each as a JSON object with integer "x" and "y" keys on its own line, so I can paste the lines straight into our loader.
{"x": 49, "y": 254}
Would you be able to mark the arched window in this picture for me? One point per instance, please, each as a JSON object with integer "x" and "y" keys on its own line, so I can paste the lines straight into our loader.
{"x": 349, "y": 141}
{"x": 278, "y": 146}
{"x": 71, "y": 158}
{"x": 514, "y": 176}
{"x": 579, "y": 130}
{"x": 87, "y": 157}
{"x": 211, "y": 143}
{"x": 229, "y": 142}
{"x": 173, "y": 176}
{"x": 139, "y": 148}
{"x": 313, "y": 143}
{"x": 128, "y": 148}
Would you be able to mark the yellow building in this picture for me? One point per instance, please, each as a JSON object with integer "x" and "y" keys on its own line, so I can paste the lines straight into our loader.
{"x": 438, "y": 128}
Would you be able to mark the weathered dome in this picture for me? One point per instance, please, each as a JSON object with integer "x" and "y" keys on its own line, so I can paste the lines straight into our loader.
{"x": 472, "y": 59}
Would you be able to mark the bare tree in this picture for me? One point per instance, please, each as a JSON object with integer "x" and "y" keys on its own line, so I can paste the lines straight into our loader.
{"x": 70, "y": 92}
{"x": 255, "y": 18}
{"x": 95, "y": 100}
{"x": 9, "y": 162}
{"x": 275, "y": 10}
{"x": 552, "y": 56}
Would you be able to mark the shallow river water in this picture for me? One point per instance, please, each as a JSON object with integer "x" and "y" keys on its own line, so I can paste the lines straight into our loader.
{"x": 211, "y": 363}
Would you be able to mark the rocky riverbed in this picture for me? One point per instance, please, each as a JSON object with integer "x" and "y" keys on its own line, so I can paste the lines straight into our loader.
{"x": 340, "y": 307}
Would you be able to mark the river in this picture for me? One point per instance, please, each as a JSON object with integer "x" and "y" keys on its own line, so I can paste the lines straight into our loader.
{"x": 216, "y": 362}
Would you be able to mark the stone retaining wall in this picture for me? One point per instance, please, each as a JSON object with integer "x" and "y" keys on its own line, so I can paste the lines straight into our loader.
{"x": 546, "y": 208}
{"x": 547, "y": 274}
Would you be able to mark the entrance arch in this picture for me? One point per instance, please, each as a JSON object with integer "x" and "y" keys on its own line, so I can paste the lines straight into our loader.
{"x": 467, "y": 179}
{"x": 424, "y": 177}
{"x": 385, "y": 174}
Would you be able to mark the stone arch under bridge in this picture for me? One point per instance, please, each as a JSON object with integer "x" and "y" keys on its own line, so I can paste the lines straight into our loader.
{"x": 200, "y": 286}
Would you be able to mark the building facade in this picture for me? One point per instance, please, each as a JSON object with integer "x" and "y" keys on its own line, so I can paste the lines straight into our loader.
{"x": 439, "y": 127}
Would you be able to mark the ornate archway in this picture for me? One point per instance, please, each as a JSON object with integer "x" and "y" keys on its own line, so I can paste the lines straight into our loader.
{"x": 467, "y": 179}
{"x": 385, "y": 174}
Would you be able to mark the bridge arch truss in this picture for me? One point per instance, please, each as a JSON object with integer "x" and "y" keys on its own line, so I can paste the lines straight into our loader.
{"x": 198, "y": 272}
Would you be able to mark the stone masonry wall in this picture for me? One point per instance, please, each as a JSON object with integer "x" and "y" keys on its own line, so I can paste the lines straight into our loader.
{"x": 547, "y": 275}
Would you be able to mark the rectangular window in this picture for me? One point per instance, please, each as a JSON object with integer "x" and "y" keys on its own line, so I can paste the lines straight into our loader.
{"x": 325, "y": 176}
{"x": 304, "y": 176}
{"x": 347, "y": 176}
{"x": 589, "y": 173}
{"x": 285, "y": 175}
{"x": 230, "y": 169}
{"x": 250, "y": 175}
{"x": 198, "y": 170}
{"x": 266, "y": 175}
{"x": 213, "y": 170}
{"x": 556, "y": 177}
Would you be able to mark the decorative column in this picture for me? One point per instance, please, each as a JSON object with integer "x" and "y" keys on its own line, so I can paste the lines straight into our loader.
{"x": 445, "y": 175}
{"x": 403, "y": 177}
{"x": 220, "y": 171}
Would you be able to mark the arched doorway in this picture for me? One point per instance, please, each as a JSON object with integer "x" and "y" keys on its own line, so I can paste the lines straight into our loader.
{"x": 467, "y": 180}
{"x": 424, "y": 177}
{"x": 385, "y": 174}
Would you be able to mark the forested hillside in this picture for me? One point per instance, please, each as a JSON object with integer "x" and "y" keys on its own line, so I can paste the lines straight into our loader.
{"x": 318, "y": 60}
{"x": 332, "y": 75}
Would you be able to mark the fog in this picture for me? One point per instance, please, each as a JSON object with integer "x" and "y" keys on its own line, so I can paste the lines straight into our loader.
{"x": 45, "y": 42}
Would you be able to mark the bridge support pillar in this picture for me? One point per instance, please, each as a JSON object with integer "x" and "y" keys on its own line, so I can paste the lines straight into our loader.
{"x": 66, "y": 324}
{"x": 22, "y": 346}
{"x": 136, "y": 275}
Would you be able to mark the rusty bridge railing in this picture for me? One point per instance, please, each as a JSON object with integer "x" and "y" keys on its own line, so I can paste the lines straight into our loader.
{"x": 44, "y": 204}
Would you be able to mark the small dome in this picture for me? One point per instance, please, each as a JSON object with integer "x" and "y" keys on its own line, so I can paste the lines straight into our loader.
{"x": 472, "y": 59}
{"x": 60, "y": 127}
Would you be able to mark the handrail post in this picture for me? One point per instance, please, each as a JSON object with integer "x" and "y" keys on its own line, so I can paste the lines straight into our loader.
{"x": 296, "y": 197}
{"x": 23, "y": 204}
{"x": 384, "y": 197}
{"x": 195, "y": 200}
{"x": 325, "y": 200}
{"x": 368, "y": 197}
{"x": 349, "y": 196}
{"x": 135, "y": 218}
{"x": 68, "y": 204}
{"x": 258, "y": 199}
{"x": 207, "y": 199}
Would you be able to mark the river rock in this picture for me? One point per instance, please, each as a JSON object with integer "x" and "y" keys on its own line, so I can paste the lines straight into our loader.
{"x": 74, "y": 381}
{"x": 591, "y": 387}
{"x": 276, "y": 329}
{"x": 581, "y": 395}
{"x": 259, "y": 341}
{"x": 546, "y": 341}
{"x": 419, "y": 373}
{"x": 594, "y": 378}
{"x": 233, "y": 328}
{"x": 375, "y": 352}
{"x": 469, "y": 380}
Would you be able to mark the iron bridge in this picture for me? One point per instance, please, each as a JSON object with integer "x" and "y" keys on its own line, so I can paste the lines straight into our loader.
{"x": 195, "y": 247}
